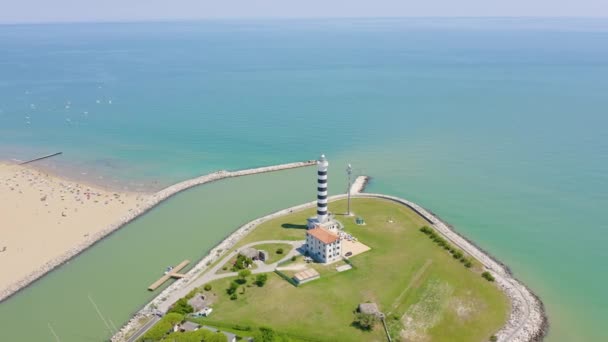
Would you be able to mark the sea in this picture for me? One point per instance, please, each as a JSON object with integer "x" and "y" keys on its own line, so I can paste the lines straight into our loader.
{"x": 498, "y": 125}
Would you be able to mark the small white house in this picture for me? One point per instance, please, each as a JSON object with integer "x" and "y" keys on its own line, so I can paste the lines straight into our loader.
{"x": 323, "y": 245}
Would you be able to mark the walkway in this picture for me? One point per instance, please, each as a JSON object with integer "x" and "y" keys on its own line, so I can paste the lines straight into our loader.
{"x": 211, "y": 274}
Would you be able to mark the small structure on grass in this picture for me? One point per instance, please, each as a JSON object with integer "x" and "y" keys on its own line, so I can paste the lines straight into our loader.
{"x": 305, "y": 276}
{"x": 187, "y": 326}
{"x": 360, "y": 221}
{"x": 343, "y": 268}
{"x": 370, "y": 309}
{"x": 197, "y": 302}
{"x": 253, "y": 254}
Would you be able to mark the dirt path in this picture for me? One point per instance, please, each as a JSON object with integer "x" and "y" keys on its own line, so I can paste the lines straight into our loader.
{"x": 413, "y": 281}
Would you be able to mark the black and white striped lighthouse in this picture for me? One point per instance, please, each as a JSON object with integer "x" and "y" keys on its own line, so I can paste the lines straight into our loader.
{"x": 322, "y": 165}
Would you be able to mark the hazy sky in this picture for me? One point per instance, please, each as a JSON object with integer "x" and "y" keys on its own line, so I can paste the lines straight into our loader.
{"x": 12, "y": 11}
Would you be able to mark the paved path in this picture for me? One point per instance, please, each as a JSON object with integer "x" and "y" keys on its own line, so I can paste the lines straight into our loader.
{"x": 211, "y": 274}
{"x": 143, "y": 329}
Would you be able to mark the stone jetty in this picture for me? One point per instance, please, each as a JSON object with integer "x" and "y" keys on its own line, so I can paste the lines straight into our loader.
{"x": 151, "y": 202}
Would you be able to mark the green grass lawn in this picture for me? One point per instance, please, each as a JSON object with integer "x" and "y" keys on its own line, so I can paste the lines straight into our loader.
{"x": 272, "y": 248}
{"x": 427, "y": 294}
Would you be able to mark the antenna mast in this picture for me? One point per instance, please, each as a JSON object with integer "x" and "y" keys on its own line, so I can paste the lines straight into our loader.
{"x": 349, "y": 172}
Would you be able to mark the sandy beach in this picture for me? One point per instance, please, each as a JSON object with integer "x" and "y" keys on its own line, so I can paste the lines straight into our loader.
{"x": 43, "y": 216}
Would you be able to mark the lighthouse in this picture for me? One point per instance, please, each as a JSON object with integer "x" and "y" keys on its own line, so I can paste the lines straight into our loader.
{"x": 322, "y": 165}
{"x": 323, "y": 219}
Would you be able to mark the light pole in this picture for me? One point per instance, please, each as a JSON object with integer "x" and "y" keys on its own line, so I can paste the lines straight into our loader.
{"x": 349, "y": 171}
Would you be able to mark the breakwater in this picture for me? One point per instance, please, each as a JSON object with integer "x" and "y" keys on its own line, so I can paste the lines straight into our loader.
{"x": 527, "y": 320}
{"x": 150, "y": 202}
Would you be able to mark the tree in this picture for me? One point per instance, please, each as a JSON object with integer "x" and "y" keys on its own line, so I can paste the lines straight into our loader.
{"x": 182, "y": 307}
{"x": 243, "y": 276}
{"x": 242, "y": 262}
{"x": 265, "y": 334}
{"x": 279, "y": 250}
{"x": 365, "y": 321}
{"x": 261, "y": 279}
{"x": 207, "y": 287}
{"x": 232, "y": 289}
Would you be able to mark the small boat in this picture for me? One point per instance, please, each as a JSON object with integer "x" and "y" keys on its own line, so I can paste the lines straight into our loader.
{"x": 169, "y": 269}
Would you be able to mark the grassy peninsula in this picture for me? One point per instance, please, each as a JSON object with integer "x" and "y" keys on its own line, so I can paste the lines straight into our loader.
{"x": 425, "y": 292}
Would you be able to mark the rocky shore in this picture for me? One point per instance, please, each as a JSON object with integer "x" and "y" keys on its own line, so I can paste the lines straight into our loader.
{"x": 527, "y": 320}
{"x": 151, "y": 202}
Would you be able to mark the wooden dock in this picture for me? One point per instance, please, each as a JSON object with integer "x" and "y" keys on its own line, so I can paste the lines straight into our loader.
{"x": 172, "y": 274}
{"x": 40, "y": 158}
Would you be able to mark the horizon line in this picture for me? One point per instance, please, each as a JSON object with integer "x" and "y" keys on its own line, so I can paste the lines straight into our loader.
{"x": 271, "y": 18}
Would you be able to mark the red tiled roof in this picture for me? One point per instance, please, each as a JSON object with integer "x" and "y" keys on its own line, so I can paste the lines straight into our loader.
{"x": 323, "y": 235}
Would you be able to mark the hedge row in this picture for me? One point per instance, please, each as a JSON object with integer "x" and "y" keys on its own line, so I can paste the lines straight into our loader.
{"x": 286, "y": 277}
{"x": 441, "y": 242}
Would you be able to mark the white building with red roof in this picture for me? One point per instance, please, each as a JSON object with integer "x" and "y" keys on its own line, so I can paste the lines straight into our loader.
{"x": 323, "y": 245}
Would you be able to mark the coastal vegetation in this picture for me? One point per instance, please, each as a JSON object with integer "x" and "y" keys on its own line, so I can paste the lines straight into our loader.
{"x": 160, "y": 329}
{"x": 487, "y": 276}
{"x": 419, "y": 287}
{"x": 441, "y": 242}
{"x": 182, "y": 307}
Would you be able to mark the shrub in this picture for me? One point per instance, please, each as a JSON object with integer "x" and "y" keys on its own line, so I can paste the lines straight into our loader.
{"x": 181, "y": 307}
{"x": 493, "y": 338}
{"x": 225, "y": 268}
{"x": 243, "y": 276}
{"x": 468, "y": 264}
{"x": 242, "y": 262}
{"x": 242, "y": 327}
{"x": 457, "y": 254}
{"x": 265, "y": 335}
{"x": 260, "y": 280}
{"x": 293, "y": 258}
{"x": 232, "y": 288}
{"x": 207, "y": 287}
{"x": 365, "y": 321}
{"x": 279, "y": 251}
{"x": 234, "y": 296}
{"x": 488, "y": 276}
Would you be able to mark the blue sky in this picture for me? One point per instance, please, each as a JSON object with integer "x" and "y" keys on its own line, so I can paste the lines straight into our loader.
{"x": 16, "y": 11}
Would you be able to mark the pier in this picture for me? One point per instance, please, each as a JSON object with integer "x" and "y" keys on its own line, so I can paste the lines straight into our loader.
{"x": 40, "y": 158}
{"x": 171, "y": 274}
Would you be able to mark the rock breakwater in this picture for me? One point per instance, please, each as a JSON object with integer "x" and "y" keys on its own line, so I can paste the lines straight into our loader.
{"x": 152, "y": 201}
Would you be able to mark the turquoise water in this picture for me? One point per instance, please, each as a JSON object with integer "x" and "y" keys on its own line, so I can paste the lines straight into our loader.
{"x": 497, "y": 125}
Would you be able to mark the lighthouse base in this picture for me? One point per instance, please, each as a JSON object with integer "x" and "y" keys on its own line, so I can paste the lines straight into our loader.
{"x": 331, "y": 224}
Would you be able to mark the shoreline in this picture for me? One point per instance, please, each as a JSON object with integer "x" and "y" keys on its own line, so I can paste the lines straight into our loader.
{"x": 151, "y": 201}
{"x": 527, "y": 320}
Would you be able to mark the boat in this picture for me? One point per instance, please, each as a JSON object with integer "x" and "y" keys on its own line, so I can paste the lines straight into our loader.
{"x": 169, "y": 269}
